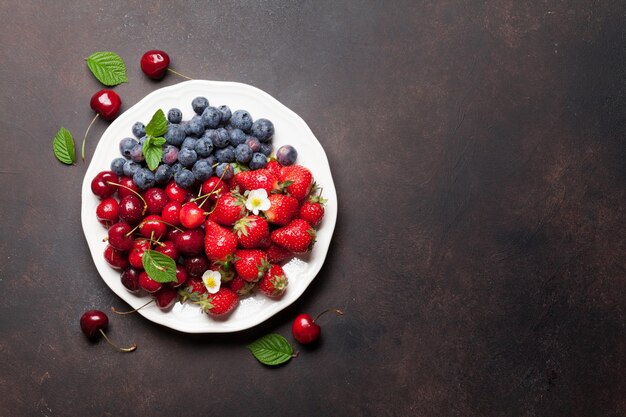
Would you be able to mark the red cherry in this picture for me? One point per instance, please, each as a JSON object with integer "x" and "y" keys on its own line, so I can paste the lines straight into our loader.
{"x": 156, "y": 199}
{"x": 181, "y": 277}
{"x": 148, "y": 283}
{"x": 93, "y": 323}
{"x": 131, "y": 209}
{"x": 100, "y": 184}
{"x": 106, "y": 103}
{"x": 190, "y": 242}
{"x": 191, "y": 215}
{"x": 135, "y": 257}
{"x": 130, "y": 279}
{"x": 305, "y": 329}
{"x": 153, "y": 227}
{"x": 171, "y": 213}
{"x": 126, "y": 183}
{"x": 107, "y": 211}
{"x": 165, "y": 297}
{"x": 154, "y": 63}
{"x": 176, "y": 193}
{"x": 120, "y": 236}
{"x": 196, "y": 265}
{"x": 214, "y": 187}
{"x": 116, "y": 258}
{"x": 168, "y": 248}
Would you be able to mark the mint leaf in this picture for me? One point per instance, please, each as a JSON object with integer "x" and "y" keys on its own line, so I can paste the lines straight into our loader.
{"x": 272, "y": 349}
{"x": 158, "y": 266}
{"x": 158, "y": 124}
{"x": 108, "y": 68}
{"x": 153, "y": 155}
{"x": 158, "y": 141}
{"x": 63, "y": 146}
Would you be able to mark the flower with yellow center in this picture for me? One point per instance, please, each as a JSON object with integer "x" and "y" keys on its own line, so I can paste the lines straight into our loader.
{"x": 212, "y": 281}
{"x": 258, "y": 201}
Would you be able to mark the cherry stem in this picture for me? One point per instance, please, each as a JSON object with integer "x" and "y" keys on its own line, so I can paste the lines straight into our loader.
{"x": 121, "y": 313}
{"x": 82, "y": 150}
{"x": 295, "y": 355}
{"x": 336, "y": 311}
{"x": 179, "y": 74}
{"x": 128, "y": 349}
{"x": 145, "y": 204}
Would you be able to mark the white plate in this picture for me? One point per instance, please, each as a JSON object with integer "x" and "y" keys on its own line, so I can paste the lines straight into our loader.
{"x": 289, "y": 129}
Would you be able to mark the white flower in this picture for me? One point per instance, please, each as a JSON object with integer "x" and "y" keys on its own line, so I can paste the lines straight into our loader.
{"x": 257, "y": 200}
{"x": 212, "y": 281}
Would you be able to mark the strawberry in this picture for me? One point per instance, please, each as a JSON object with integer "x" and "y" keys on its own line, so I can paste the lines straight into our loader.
{"x": 277, "y": 253}
{"x": 274, "y": 167}
{"x": 282, "y": 209}
{"x": 256, "y": 179}
{"x": 312, "y": 210}
{"x": 214, "y": 187}
{"x": 252, "y": 231}
{"x": 297, "y": 180}
{"x": 241, "y": 286}
{"x": 274, "y": 282}
{"x": 250, "y": 264}
{"x": 228, "y": 209}
{"x": 219, "y": 242}
{"x": 194, "y": 288}
{"x": 298, "y": 236}
{"x": 218, "y": 304}
{"x": 225, "y": 268}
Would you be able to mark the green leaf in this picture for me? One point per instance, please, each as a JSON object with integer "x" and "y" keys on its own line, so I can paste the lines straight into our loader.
{"x": 153, "y": 155}
{"x": 272, "y": 349}
{"x": 108, "y": 68}
{"x": 63, "y": 146}
{"x": 158, "y": 266}
{"x": 158, "y": 124}
{"x": 158, "y": 141}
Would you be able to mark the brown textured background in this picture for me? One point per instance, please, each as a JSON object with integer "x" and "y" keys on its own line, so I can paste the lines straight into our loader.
{"x": 478, "y": 153}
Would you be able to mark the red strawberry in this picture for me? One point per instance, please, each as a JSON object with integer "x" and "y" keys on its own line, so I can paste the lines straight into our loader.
{"x": 228, "y": 209}
{"x": 194, "y": 289}
{"x": 251, "y": 231}
{"x": 312, "y": 210}
{"x": 298, "y": 236}
{"x": 256, "y": 179}
{"x": 225, "y": 268}
{"x": 297, "y": 180}
{"x": 219, "y": 242}
{"x": 215, "y": 187}
{"x": 274, "y": 282}
{"x": 277, "y": 253}
{"x": 250, "y": 264}
{"x": 241, "y": 286}
{"x": 274, "y": 167}
{"x": 282, "y": 209}
{"x": 218, "y": 304}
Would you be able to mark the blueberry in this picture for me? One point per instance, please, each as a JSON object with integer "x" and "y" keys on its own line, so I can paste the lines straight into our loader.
{"x": 163, "y": 174}
{"x": 130, "y": 168}
{"x": 117, "y": 166}
{"x": 177, "y": 167}
{"x": 138, "y": 129}
{"x": 204, "y": 146}
{"x": 202, "y": 170}
{"x": 211, "y": 159}
{"x": 263, "y": 129}
{"x": 237, "y": 137}
{"x": 199, "y": 104}
{"x": 174, "y": 115}
{"x": 243, "y": 153}
{"x": 266, "y": 149}
{"x": 189, "y": 142}
{"x": 126, "y": 145}
{"x": 175, "y": 134}
{"x": 195, "y": 126}
{"x": 221, "y": 138}
{"x": 187, "y": 157}
{"x": 225, "y": 171}
{"x": 253, "y": 143}
{"x": 184, "y": 178}
{"x": 286, "y": 155}
{"x": 241, "y": 119}
{"x": 136, "y": 154}
{"x": 225, "y": 110}
{"x": 144, "y": 178}
{"x": 211, "y": 117}
{"x": 258, "y": 161}
{"x": 170, "y": 154}
{"x": 142, "y": 140}
{"x": 226, "y": 154}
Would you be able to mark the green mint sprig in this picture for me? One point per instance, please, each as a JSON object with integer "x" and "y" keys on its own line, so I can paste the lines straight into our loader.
{"x": 63, "y": 146}
{"x": 107, "y": 67}
{"x": 153, "y": 145}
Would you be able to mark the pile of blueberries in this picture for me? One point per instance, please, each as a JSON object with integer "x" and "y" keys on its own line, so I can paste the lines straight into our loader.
{"x": 213, "y": 142}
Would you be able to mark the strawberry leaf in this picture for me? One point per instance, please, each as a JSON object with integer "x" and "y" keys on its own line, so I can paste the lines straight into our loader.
{"x": 63, "y": 146}
{"x": 108, "y": 68}
{"x": 271, "y": 350}
{"x": 158, "y": 266}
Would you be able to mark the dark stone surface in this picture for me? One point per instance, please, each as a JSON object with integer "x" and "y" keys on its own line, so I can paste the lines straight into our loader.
{"x": 478, "y": 153}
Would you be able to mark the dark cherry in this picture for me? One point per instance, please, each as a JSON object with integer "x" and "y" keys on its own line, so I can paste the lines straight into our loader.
{"x": 106, "y": 103}
{"x": 165, "y": 297}
{"x": 173, "y": 235}
{"x": 214, "y": 187}
{"x": 147, "y": 283}
{"x": 190, "y": 242}
{"x": 176, "y": 193}
{"x": 130, "y": 279}
{"x": 196, "y": 265}
{"x": 171, "y": 213}
{"x": 93, "y": 323}
{"x": 135, "y": 256}
{"x": 181, "y": 277}
{"x": 126, "y": 183}
{"x": 154, "y": 64}
{"x": 168, "y": 248}
{"x": 305, "y": 329}
{"x": 156, "y": 199}
{"x": 131, "y": 209}
{"x": 100, "y": 185}
{"x": 116, "y": 258}
{"x": 107, "y": 212}
{"x": 152, "y": 227}
{"x": 120, "y": 236}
